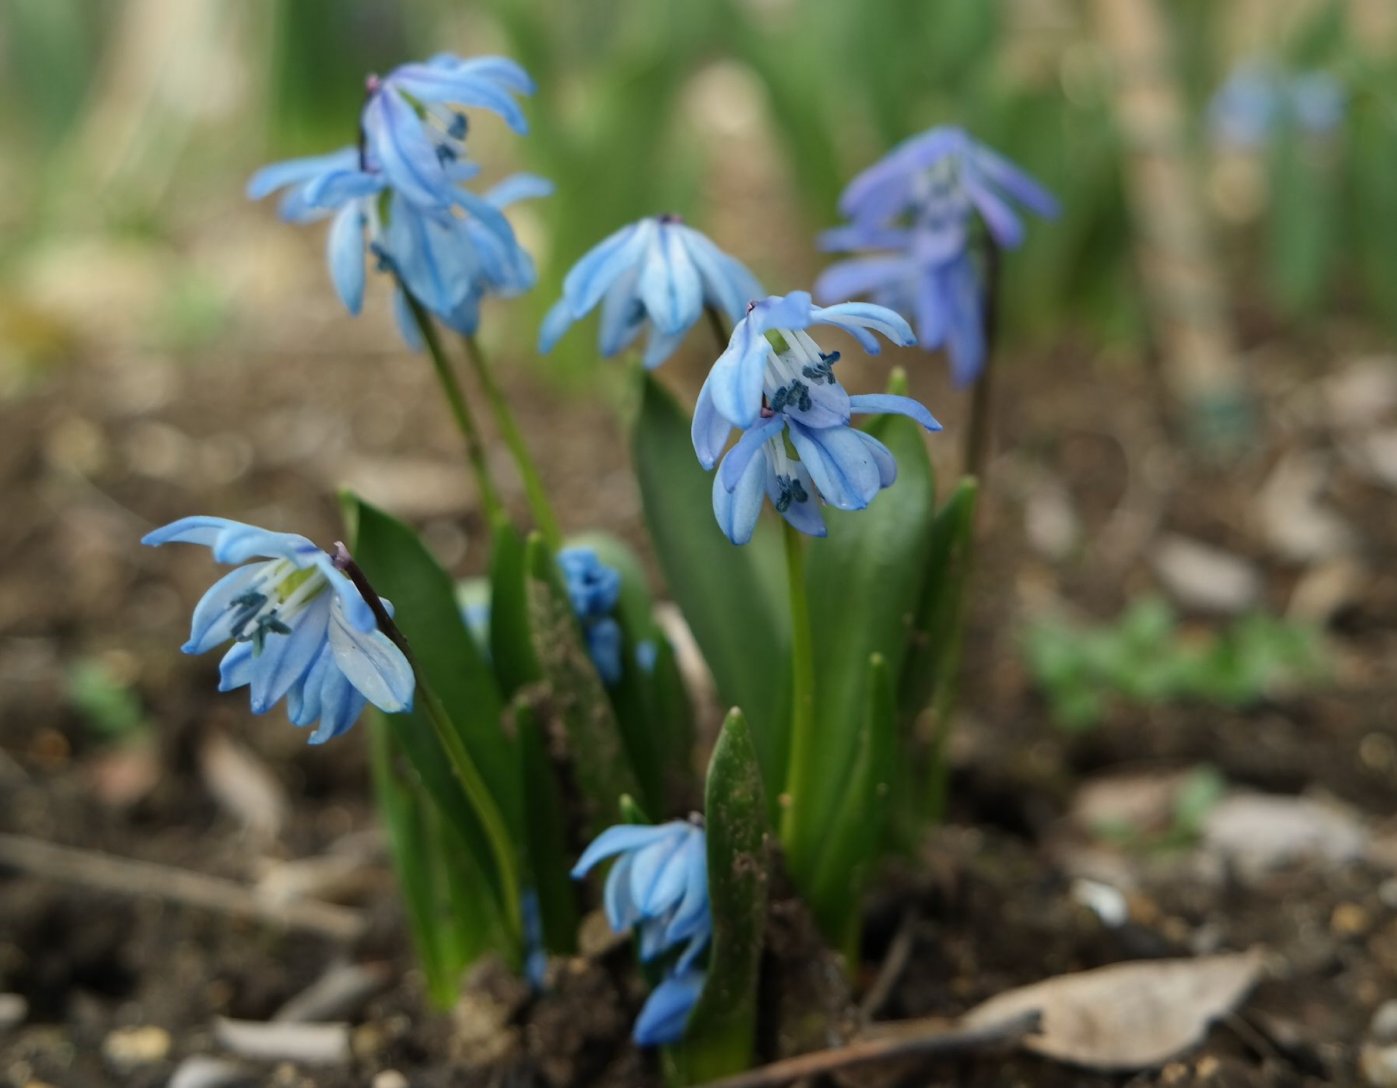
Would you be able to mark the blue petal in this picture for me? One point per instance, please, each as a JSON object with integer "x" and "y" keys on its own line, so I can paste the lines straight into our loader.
{"x": 882, "y": 458}
{"x": 882, "y": 190}
{"x": 1000, "y": 171}
{"x": 735, "y": 382}
{"x": 666, "y": 1012}
{"x": 649, "y": 865}
{"x": 889, "y": 403}
{"x": 303, "y": 700}
{"x": 727, "y": 282}
{"x": 604, "y": 648}
{"x": 436, "y": 84}
{"x": 407, "y": 155}
{"x": 861, "y": 276}
{"x": 286, "y": 658}
{"x": 855, "y": 317}
{"x": 344, "y": 251}
{"x": 371, "y": 663}
{"x": 842, "y": 468}
{"x": 340, "y": 707}
{"x": 736, "y": 462}
{"x": 737, "y": 510}
{"x": 602, "y": 265}
{"x": 709, "y": 429}
{"x": 235, "y": 670}
{"x": 294, "y": 171}
{"x": 669, "y": 283}
{"x": 197, "y": 529}
{"x": 616, "y": 840}
{"x": 502, "y": 70}
{"x": 339, "y": 186}
{"x": 518, "y": 187}
{"x": 212, "y": 624}
{"x": 621, "y": 912}
{"x": 556, "y": 321}
{"x": 622, "y": 315}
{"x": 1005, "y": 227}
{"x": 804, "y": 516}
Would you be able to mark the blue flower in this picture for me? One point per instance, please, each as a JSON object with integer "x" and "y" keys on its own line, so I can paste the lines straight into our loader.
{"x": 776, "y": 385}
{"x": 665, "y": 1014}
{"x": 415, "y": 130}
{"x": 1258, "y": 98}
{"x": 299, "y": 627}
{"x": 917, "y": 205}
{"x": 659, "y": 885}
{"x": 594, "y": 589}
{"x": 657, "y": 272}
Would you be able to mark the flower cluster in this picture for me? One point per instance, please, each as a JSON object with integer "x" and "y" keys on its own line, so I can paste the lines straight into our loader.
{"x": 593, "y": 590}
{"x": 300, "y": 629}
{"x": 916, "y": 205}
{"x": 657, "y": 273}
{"x": 797, "y": 446}
{"x": 659, "y": 888}
{"x": 399, "y": 195}
{"x": 1257, "y": 99}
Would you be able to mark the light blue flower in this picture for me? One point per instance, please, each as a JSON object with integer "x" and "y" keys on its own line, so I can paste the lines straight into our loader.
{"x": 657, "y": 272}
{"x": 936, "y": 179}
{"x": 414, "y": 127}
{"x": 917, "y": 206}
{"x": 772, "y": 363}
{"x": 1257, "y": 98}
{"x": 658, "y": 886}
{"x": 666, "y": 1011}
{"x": 299, "y": 627}
{"x": 594, "y": 589}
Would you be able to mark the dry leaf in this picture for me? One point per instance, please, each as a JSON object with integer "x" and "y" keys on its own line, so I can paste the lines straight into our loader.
{"x": 1127, "y": 1016}
{"x": 243, "y": 785}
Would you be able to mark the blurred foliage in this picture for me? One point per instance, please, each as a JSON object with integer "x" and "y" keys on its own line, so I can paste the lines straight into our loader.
{"x": 1194, "y": 798}
{"x": 838, "y": 84}
{"x": 1144, "y": 657}
{"x": 105, "y": 702}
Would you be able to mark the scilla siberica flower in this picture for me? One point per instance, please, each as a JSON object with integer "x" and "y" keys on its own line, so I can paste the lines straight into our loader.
{"x": 918, "y": 203}
{"x": 593, "y": 590}
{"x": 299, "y": 627}
{"x": 657, "y": 272}
{"x": 447, "y": 245}
{"x": 659, "y": 886}
{"x": 775, "y": 384}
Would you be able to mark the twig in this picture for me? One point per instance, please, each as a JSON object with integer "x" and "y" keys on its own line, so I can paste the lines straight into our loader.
{"x": 894, "y": 963}
{"x": 933, "y": 1041}
{"x": 128, "y": 876}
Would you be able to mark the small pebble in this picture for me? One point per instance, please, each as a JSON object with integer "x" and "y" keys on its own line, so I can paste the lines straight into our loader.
{"x": 389, "y": 1078}
{"x": 127, "y": 1048}
{"x": 1379, "y": 1065}
{"x": 1349, "y": 920}
{"x": 1383, "y": 1027}
{"x": 13, "y": 1010}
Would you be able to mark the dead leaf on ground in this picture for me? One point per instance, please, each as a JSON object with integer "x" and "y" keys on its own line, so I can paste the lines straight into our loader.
{"x": 1127, "y": 1016}
{"x": 243, "y": 785}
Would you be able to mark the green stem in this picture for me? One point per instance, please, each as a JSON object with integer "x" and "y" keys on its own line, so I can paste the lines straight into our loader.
{"x": 801, "y": 766}
{"x": 518, "y": 448}
{"x": 465, "y": 422}
{"x": 467, "y": 773}
{"x": 976, "y": 453}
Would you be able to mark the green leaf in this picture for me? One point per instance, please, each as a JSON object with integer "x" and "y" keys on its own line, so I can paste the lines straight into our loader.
{"x": 575, "y": 693}
{"x": 731, "y": 597}
{"x": 546, "y": 836}
{"x": 511, "y": 646}
{"x": 401, "y": 569}
{"x": 856, "y": 833}
{"x": 864, "y": 583}
{"x": 722, "y": 1028}
{"x": 450, "y": 921}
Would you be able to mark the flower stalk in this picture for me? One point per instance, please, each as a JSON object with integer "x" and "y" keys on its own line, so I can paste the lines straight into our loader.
{"x": 978, "y": 434}
{"x": 460, "y": 410}
{"x": 462, "y": 765}
{"x": 802, "y": 751}
{"x": 534, "y": 490}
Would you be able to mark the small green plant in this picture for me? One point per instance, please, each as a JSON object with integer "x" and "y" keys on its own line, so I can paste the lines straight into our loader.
{"x": 107, "y": 705}
{"x": 1145, "y": 658}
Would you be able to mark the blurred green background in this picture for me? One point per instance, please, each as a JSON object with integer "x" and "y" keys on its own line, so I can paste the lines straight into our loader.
{"x": 131, "y": 125}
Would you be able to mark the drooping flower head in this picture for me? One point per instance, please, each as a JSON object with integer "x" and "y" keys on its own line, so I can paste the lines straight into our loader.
{"x": 659, "y": 887}
{"x": 917, "y": 205}
{"x": 797, "y": 448}
{"x": 594, "y": 589}
{"x": 657, "y": 273}
{"x": 299, "y": 628}
{"x": 400, "y": 194}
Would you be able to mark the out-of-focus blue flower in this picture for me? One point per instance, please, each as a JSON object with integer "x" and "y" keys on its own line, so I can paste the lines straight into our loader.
{"x": 916, "y": 205}
{"x": 414, "y": 127}
{"x": 299, "y": 627}
{"x": 1257, "y": 98}
{"x": 656, "y": 272}
{"x": 658, "y": 885}
{"x": 535, "y": 955}
{"x": 594, "y": 589}
{"x": 665, "y": 1015}
{"x": 775, "y": 384}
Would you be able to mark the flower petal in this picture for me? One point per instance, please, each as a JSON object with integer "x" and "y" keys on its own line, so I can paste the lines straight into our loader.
{"x": 212, "y": 624}
{"x": 344, "y": 252}
{"x": 666, "y": 1011}
{"x": 371, "y": 663}
{"x": 604, "y": 263}
{"x": 890, "y": 403}
{"x": 284, "y": 659}
{"x": 737, "y": 510}
{"x": 669, "y": 284}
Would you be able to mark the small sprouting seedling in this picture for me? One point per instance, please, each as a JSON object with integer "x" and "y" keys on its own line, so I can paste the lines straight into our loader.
{"x": 1193, "y": 798}
{"x": 1144, "y": 658}
{"x": 107, "y": 705}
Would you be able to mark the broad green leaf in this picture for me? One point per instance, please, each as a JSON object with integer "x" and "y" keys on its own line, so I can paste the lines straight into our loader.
{"x": 731, "y": 597}
{"x": 856, "y": 835}
{"x": 574, "y": 690}
{"x": 402, "y": 570}
{"x": 722, "y": 1028}
{"x": 546, "y": 836}
{"x": 511, "y": 647}
{"x": 864, "y": 582}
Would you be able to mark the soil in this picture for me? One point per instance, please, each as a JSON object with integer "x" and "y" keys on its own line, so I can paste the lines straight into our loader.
{"x": 94, "y": 452}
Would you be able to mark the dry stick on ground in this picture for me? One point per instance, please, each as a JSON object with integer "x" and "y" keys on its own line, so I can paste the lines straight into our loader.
{"x": 894, "y": 963}
{"x": 128, "y": 876}
{"x": 935, "y": 1040}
